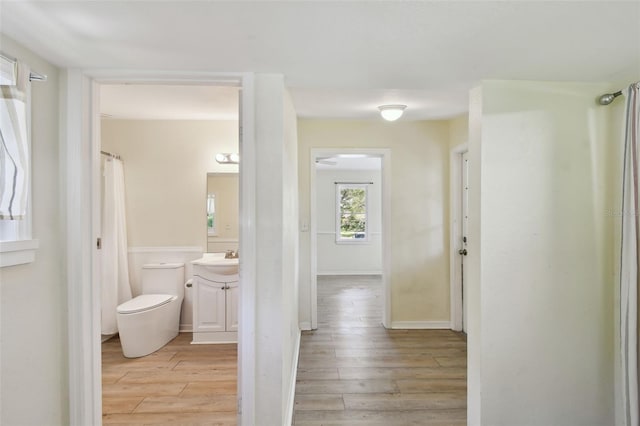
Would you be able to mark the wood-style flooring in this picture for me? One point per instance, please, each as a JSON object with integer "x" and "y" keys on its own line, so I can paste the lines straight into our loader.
{"x": 180, "y": 384}
{"x": 352, "y": 371}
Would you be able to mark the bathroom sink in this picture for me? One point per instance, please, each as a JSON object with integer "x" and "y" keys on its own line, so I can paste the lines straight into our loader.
{"x": 215, "y": 259}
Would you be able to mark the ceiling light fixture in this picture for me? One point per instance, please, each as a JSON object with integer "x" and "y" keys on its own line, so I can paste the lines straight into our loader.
{"x": 391, "y": 112}
{"x": 227, "y": 158}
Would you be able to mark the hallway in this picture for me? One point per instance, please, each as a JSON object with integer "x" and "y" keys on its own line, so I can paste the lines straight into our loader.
{"x": 352, "y": 371}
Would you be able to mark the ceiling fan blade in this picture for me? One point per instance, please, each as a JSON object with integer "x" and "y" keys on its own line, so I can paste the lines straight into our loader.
{"x": 326, "y": 161}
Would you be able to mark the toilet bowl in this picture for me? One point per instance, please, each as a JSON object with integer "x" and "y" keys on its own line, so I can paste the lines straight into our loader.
{"x": 148, "y": 322}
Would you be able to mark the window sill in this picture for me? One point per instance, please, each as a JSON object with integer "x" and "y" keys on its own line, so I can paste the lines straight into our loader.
{"x": 355, "y": 241}
{"x": 17, "y": 252}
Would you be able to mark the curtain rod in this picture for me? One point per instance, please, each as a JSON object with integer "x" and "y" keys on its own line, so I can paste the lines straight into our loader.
{"x": 108, "y": 154}
{"x": 607, "y": 98}
{"x": 353, "y": 183}
{"x": 33, "y": 76}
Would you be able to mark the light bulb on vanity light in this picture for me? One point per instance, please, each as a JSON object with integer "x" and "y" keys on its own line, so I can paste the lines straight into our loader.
{"x": 391, "y": 112}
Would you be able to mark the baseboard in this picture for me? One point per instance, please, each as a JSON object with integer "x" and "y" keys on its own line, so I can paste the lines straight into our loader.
{"x": 186, "y": 328}
{"x": 412, "y": 325}
{"x": 214, "y": 337}
{"x": 105, "y": 337}
{"x": 305, "y": 326}
{"x": 292, "y": 385}
{"x": 349, "y": 272}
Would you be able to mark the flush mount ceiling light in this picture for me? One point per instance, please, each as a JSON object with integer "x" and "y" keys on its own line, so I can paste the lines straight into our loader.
{"x": 227, "y": 158}
{"x": 391, "y": 112}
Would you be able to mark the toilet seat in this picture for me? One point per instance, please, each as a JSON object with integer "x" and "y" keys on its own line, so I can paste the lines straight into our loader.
{"x": 144, "y": 302}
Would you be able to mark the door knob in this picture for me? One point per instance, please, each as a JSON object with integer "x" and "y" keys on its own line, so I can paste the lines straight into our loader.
{"x": 462, "y": 252}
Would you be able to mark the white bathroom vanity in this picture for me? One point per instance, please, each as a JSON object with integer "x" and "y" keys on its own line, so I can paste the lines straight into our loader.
{"x": 215, "y": 299}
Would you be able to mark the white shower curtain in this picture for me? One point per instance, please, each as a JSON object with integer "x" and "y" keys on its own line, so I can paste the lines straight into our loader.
{"x": 629, "y": 260}
{"x": 115, "y": 266}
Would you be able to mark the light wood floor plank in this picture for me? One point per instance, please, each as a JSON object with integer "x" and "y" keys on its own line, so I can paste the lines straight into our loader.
{"x": 319, "y": 402}
{"x": 355, "y": 373}
{"x": 173, "y": 419}
{"x": 142, "y": 390}
{"x": 455, "y": 417}
{"x": 187, "y": 404}
{"x": 119, "y": 404}
{"x": 403, "y": 402}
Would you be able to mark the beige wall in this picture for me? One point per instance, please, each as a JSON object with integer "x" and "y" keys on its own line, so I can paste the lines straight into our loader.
{"x": 33, "y": 320}
{"x": 545, "y": 276}
{"x": 165, "y": 166}
{"x": 459, "y": 130}
{"x": 419, "y": 207}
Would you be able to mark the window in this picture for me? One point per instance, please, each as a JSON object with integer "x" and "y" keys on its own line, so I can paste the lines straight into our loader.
{"x": 211, "y": 214}
{"x": 351, "y": 213}
{"x": 16, "y": 245}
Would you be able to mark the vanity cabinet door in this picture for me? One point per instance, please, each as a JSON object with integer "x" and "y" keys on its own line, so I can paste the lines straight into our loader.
{"x": 209, "y": 306}
{"x": 232, "y": 306}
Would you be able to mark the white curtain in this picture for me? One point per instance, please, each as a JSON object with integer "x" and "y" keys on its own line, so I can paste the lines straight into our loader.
{"x": 629, "y": 260}
{"x": 115, "y": 266}
{"x": 14, "y": 146}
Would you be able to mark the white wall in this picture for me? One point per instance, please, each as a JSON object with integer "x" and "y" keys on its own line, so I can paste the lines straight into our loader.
{"x": 419, "y": 208}
{"x": 360, "y": 258}
{"x": 165, "y": 165}
{"x": 290, "y": 253}
{"x": 276, "y": 322}
{"x": 542, "y": 287}
{"x": 33, "y": 320}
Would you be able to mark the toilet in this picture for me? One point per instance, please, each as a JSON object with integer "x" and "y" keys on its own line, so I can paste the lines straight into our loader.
{"x": 149, "y": 321}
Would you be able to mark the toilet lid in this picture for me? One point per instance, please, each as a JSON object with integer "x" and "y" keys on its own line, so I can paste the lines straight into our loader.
{"x": 144, "y": 302}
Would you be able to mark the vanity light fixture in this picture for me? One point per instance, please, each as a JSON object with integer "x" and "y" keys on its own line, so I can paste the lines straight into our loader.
{"x": 391, "y": 112}
{"x": 228, "y": 158}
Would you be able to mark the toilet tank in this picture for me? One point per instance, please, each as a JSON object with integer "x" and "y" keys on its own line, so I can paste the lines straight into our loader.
{"x": 163, "y": 278}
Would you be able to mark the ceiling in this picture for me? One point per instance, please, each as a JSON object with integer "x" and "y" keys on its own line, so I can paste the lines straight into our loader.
{"x": 168, "y": 102}
{"x": 342, "y": 59}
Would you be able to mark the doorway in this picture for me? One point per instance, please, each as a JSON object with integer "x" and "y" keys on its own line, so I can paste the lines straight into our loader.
{"x": 82, "y": 164}
{"x": 459, "y": 202}
{"x": 168, "y": 137}
{"x": 326, "y": 230}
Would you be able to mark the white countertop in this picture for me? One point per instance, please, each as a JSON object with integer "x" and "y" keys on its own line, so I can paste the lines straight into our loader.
{"x": 214, "y": 259}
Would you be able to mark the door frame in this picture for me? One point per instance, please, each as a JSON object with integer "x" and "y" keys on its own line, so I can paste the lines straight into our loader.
{"x": 385, "y": 155}
{"x": 455, "y": 234}
{"x": 79, "y": 158}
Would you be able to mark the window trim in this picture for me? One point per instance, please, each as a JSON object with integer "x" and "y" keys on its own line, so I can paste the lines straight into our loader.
{"x": 18, "y": 252}
{"x": 21, "y": 249}
{"x": 339, "y": 239}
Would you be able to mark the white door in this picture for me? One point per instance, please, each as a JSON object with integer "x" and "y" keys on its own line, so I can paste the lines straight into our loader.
{"x": 232, "y": 306}
{"x": 464, "y": 220}
{"x": 209, "y": 306}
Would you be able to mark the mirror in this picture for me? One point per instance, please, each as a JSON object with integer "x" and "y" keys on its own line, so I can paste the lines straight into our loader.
{"x": 222, "y": 209}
